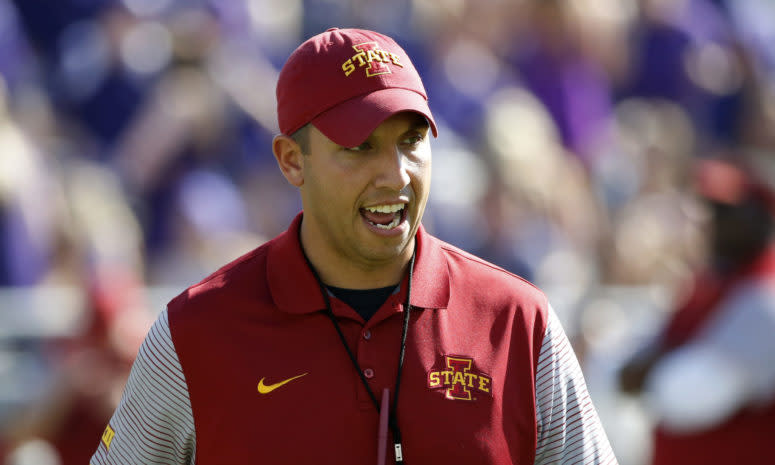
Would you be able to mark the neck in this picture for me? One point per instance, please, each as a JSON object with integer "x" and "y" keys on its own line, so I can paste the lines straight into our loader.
{"x": 338, "y": 271}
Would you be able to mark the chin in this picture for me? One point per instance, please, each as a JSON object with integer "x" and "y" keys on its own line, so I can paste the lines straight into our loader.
{"x": 387, "y": 252}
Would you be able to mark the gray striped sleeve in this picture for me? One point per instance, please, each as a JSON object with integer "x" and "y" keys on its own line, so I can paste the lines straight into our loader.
{"x": 569, "y": 430}
{"x": 153, "y": 423}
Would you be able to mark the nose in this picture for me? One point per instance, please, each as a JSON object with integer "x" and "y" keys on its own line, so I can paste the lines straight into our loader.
{"x": 393, "y": 169}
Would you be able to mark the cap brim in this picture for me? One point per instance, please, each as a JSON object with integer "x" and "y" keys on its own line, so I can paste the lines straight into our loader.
{"x": 352, "y": 121}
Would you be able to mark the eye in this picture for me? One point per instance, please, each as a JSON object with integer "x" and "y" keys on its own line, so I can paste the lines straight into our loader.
{"x": 413, "y": 139}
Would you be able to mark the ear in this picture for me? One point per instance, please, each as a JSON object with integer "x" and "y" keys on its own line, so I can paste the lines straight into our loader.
{"x": 289, "y": 159}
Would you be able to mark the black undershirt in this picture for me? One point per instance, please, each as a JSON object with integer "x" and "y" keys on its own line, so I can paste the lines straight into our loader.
{"x": 364, "y": 301}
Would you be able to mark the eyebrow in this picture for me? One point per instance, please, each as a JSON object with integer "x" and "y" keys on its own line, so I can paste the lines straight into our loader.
{"x": 419, "y": 122}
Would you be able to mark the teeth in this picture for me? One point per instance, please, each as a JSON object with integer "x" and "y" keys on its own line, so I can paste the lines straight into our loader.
{"x": 386, "y": 208}
{"x": 390, "y": 225}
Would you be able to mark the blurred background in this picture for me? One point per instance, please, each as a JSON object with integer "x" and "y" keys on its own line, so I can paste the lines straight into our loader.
{"x": 135, "y": 159}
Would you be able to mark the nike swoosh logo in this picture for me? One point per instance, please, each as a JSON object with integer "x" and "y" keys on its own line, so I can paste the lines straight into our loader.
{"x": 267, "y": 388}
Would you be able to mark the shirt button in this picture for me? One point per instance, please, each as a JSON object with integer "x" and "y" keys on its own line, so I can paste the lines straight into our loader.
{"x": 368, "y": 373}
{"x": 367, "y": 334}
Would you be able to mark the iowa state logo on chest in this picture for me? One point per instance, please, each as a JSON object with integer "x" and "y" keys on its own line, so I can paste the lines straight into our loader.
{"x": 459, "y": 379}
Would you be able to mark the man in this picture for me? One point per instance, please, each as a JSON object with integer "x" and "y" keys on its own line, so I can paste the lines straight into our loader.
{"x": 709, "y": 376}
{"x": 356, "y": 326}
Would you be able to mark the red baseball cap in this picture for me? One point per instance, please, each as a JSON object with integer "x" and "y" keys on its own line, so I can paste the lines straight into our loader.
{"x": 346, "y": 82}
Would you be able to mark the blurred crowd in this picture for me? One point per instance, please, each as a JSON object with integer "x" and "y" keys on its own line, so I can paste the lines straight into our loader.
{"x": 135, "y": 153}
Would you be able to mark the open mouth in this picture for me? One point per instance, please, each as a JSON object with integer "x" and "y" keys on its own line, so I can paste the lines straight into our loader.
{"x": 385, "y": 216}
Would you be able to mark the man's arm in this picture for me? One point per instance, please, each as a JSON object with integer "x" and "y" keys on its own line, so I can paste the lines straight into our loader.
{"x": 569, "y": 430}
{"x": 153, "y": 422}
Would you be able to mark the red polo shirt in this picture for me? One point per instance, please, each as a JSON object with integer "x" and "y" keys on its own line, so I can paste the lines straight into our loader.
{"x": 467, "y": 393}
{"x": 245, "y": 367}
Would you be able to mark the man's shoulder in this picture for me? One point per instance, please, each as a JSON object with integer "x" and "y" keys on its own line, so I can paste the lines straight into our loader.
{"x": 485, "y": 277}
{"x": 245, "y": 274}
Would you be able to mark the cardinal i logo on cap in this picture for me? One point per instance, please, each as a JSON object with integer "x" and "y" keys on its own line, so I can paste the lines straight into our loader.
{"x": 369, "y": 53}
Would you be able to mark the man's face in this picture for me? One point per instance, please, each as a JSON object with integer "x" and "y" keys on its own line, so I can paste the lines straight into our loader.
{"x": 363, "y": 205}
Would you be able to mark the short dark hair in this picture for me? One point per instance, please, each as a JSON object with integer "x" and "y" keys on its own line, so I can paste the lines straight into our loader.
{"x": 301, "y": 137}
